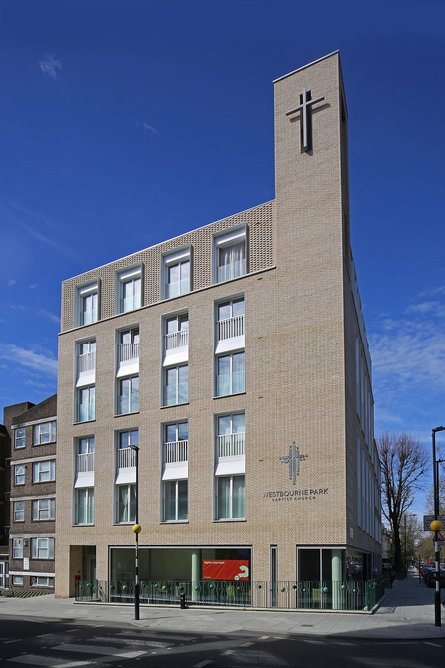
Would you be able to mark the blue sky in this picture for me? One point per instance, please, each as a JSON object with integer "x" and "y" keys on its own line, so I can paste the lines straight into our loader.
{"x": 104, "y": 104}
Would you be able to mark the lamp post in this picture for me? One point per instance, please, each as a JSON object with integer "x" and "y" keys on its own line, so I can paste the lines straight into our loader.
{"x": 436, "y": 526}
{"x": 136, "y": 529}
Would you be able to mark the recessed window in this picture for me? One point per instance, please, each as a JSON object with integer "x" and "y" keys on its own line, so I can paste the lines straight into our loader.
{"x": 230, "y": 496}
{"x": 86, "y": 356}
{"x": 42, "y": 581}
{"x": 128, "y": 395}
{"x": 88, "y": 300}
{"x": 175, "y": 390}
{"x": 42, "y": 548}
{"x": 126, "y": 503}
{"x": 19, "y": 511}
{"x": 128, "y": 345}
{"x": 86, "y": 404}
{"x": 230, "y": 374}
{"x": 43, "y": 509}
{"x": 230, "y": 255}
{"x": 17, "y": 548}
{"x": 176, "y": 274}
{"x": 17, "y": 580}
{"x": 84, "y": 506}
{"x": 43, "y": 433}
{"x": 176, "y": 332}
{"x": 19, "y": 474}
{"x": 230, "y": 319}
{"x": 129, "y": 290}
{"x": 85, "y": 454}
{"x": 20, "y": 438}
{"x": 174, "y": 502}
{"x": 44, "y": 471}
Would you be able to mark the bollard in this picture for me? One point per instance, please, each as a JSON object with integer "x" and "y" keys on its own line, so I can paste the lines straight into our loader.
{"x": 182, "y": 604}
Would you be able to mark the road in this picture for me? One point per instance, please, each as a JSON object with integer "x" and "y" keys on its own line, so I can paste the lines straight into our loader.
{"x": 67, "y": 645}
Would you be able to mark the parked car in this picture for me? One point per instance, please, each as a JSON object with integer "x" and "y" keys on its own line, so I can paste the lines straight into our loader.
{"x": 429, "y": 576}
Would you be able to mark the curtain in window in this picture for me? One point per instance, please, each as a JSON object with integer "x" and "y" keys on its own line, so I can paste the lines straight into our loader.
{"x": 231, "y": 261}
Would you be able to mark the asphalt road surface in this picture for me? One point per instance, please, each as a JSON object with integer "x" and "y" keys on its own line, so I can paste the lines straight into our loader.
{"x": 67, "y": 645}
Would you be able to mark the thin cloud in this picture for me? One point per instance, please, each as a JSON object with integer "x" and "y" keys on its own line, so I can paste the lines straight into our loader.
{"x": 150, "y": 128}
{"x": 51, "y": 316}
{"x": 49, "y": 66}
{"x": 11, "y": 282}
{"x": 29, "y": 359}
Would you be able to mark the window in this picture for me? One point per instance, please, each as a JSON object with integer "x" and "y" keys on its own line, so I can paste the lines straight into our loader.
{"x": 17, "y": 580}
{"x": 126, "y": 503}
{"x": 176, "y": 270}
{"x": 231, "y": 435}
{"x": 86, "y": 404}
{"x": 85, "y": 454}
{"x": 230, "y": 374}
{"x": 230, "y": 497}
{"x": 128, "y": 395}
{"x": 84, "y": 506}
{"x": 86, "y": 360}
{"x": 129, "y": 290}
{"x": 42, "y": 548}
{"x": 17, "y": 548}
{"x": 174, "y": 500}
{"x": 42, "y": 581}
{"x": 44, "y": 433}
{"x": 176, "y": 332}
{"x": 128, "y": 346}
{"x": 43, "y": 509}
{"x": 230, "y": 255}
{"x": 19, "y": 511}
{"x": 44, "y": 471}
{"x": 175, "y": 385}
{"x": 88, "y": 298}
{"x": 126, "y": 456}
{"x": 19, "y": 474}
{"x": 230, "y": 319}
{"x": 20, "y": 438}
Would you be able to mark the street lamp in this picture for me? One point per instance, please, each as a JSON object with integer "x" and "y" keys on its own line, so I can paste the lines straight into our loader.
{"x": 436, "y": 526}
{"x": 136, "y": 529}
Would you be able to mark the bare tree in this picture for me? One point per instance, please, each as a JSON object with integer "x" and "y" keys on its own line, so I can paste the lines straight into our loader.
{"x": 403, "y": 463}
{"x": 430, "y": 496}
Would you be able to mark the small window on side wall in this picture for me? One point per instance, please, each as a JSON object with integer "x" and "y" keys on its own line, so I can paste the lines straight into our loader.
{"x": 176, "y": 274}
{"x": 129, "y": 290}
{"x": 230, "y": 255}
{"x": 88, "y": 303}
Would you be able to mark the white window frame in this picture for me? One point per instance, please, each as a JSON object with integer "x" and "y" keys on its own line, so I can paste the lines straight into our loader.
{"x": 179, "y": 258}
{"x": 20, "y": 475}
{"x": 17, "y": 580}
{"x": 49, "y": 581}
{"x": 37, "y": 471}
{"x": 20, "y": 438}
{"x": 39, "y": 514}
{"x": 84, "y": 292}
{"x": 132, "y": 277}
{"x": 19, "y": 515}
{"x": 17, "y": 548}
{"x": 89, "y": 505}
{"x": 44, "y": 433}
{"x": 44, "y": 545}
{"x": 228, "y": 239}
{"x": 133, "y": 403}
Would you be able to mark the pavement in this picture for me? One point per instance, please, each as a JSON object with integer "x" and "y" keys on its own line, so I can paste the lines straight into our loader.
{"x": 405, "y": 612}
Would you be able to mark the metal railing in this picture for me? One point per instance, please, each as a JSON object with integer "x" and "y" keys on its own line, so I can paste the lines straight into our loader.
{"x": 231, "y": 328}
{"x": 85, "y": 462}
{"x": 307, "y": 595}
{"x": 128, "y": 351}
{"x": 231, "y": 444}
{"x": 126, "y": 458}
{"x": 175, "y": 451}
{"x": 87, "y": 361}
{"x": 177, "y": 339}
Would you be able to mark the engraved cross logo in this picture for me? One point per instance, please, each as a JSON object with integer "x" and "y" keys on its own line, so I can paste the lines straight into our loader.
{"x": 305, "y": 109}
{"x": 293, "y": 460}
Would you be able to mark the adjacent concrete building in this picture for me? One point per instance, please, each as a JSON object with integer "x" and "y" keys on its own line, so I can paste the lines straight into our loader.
{"x": 231, "y": 364}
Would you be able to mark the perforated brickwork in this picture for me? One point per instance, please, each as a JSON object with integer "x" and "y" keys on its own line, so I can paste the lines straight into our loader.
{"x": 259, "y": 223}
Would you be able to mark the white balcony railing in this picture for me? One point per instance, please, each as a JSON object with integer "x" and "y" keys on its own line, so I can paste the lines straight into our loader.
{"x": 128, "y": 351}
{"x": 231, "y": 444}
{"x": 85, "y": 462}
{"x": 87, "y": 361}
{"x": 177, "y": 340}
{"x": 126, "y": 458}
{"x": 231, "y": 328}
{"x": 175, "y": 451}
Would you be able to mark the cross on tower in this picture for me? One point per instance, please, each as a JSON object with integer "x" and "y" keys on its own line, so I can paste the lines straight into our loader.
{"x": 306, "y": 118}
{"x": 293, "y": 459}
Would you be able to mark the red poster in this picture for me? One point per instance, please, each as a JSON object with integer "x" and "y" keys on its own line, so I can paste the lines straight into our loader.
{"x": 225, "y": 569}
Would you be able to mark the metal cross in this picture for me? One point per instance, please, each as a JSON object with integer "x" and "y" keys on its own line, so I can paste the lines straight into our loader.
{"x": 293, "y": 459}
{"x": 306, "y": 118}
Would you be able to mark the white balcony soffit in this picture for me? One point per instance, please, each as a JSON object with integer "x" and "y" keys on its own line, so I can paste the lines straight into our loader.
{"x": 236, "y": 464}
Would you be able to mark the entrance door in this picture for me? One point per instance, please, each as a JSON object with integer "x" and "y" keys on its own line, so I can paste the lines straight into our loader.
{"x": 3, "y": 574}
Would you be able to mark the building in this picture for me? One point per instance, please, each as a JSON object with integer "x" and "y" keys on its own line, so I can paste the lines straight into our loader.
{"x": 232, "y": 361}
{"x": 33, "y": 433}
{"x": 5, "y": 491}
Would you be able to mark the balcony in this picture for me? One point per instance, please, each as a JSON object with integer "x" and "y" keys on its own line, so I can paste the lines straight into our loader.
{"x": 128, "y": 352}
{"x": 231, "y": 445}
{"x": 86, "y": 362}
{"x": 175, "y": 451}
{"x": 231, "y": 328}
{"x": 176, "y": 340}
{"x": 85, "y": 462}
{"x": 126, "y": 458}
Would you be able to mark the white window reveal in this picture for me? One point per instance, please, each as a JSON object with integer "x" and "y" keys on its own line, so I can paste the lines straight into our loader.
{"x": 175, "y": 451}
{"x": 127, "y": 441}
{"x": 230, "y": 444}
{"x": 230, "y": 255}
{"x": 176, "y": 273}
{"x": 176, "y": 339}
{"x": 88, "y": 301}
{"x": 86, "y": 363}
{"x": 84, "y": 453}
{"x": 129, "y": 290}
{"x": 128, "y": 352}
{"x": 230, "y": 326}
{"x": 45, "y": 432}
